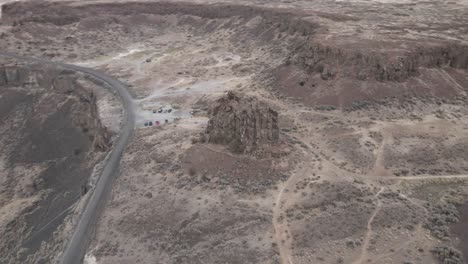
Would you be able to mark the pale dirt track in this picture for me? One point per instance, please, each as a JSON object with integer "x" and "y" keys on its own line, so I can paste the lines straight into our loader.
{"x": 368, "y": 236}
{"x": 282, "y": 234}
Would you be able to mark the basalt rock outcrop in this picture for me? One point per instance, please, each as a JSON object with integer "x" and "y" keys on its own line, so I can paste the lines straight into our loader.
{"x": 243, "y": 123}
{"x": 319, "y": 58}
{"x": 60, "y": 83}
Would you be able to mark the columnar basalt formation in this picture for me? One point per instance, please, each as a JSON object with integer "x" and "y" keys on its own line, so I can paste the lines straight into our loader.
{"x": 243, "y": 123}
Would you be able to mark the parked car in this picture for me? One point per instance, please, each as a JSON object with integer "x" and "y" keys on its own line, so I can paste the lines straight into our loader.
{"x": 146, "y": 124}
{"x": 150, "y": 123}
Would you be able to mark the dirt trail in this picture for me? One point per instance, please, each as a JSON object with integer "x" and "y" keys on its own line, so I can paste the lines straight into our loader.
{"x": 218, "y": 151}
{"x": 368, "y": 235}
{"x": 417, "y": 234}
{"x": 379, "y": 165}
{"x": 283, "y": 201}
{"x": 427, "y": 177}
{"x": 346, "y": 134}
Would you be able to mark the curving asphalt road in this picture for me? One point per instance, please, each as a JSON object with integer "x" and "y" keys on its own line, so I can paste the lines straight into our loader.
{"x": 79, "y": 241}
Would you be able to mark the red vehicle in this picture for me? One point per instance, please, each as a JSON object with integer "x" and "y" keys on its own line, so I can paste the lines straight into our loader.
{"x": 157, "y": 123}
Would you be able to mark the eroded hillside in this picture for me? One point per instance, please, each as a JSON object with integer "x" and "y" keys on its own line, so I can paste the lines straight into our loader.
{"x": 51, "y": 140}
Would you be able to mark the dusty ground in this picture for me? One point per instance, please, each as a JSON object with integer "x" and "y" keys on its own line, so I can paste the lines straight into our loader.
{"x": 372, "y": 103}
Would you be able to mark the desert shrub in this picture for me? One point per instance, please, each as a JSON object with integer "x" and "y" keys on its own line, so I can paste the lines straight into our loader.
{"x": 192, "y": 172}
{"x": 325, "y": 107}
{"x": 236, "y": 146}
{"x": 441, "y": 216}
{"x": 194, "y": 140}
{"x": 356, "y": 105}
{"x": 447, "y": 255}
{"x": 203, "y": 137}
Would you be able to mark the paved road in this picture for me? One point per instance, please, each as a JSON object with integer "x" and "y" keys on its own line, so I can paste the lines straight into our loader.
{"x": 78, "y": 243}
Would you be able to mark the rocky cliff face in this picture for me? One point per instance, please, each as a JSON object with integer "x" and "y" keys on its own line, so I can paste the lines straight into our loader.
{"x": 51, "y": 139}
{"x": 60, "y": 83}
{"x": 244, "y": 124}
{"x": 380, "y": 61}
{"x": 325, "y": 60}
{"x": 320, "y": 57}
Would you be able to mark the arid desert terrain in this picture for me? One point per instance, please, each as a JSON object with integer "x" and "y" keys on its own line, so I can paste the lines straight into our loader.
{"x": 279, "y": 132}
